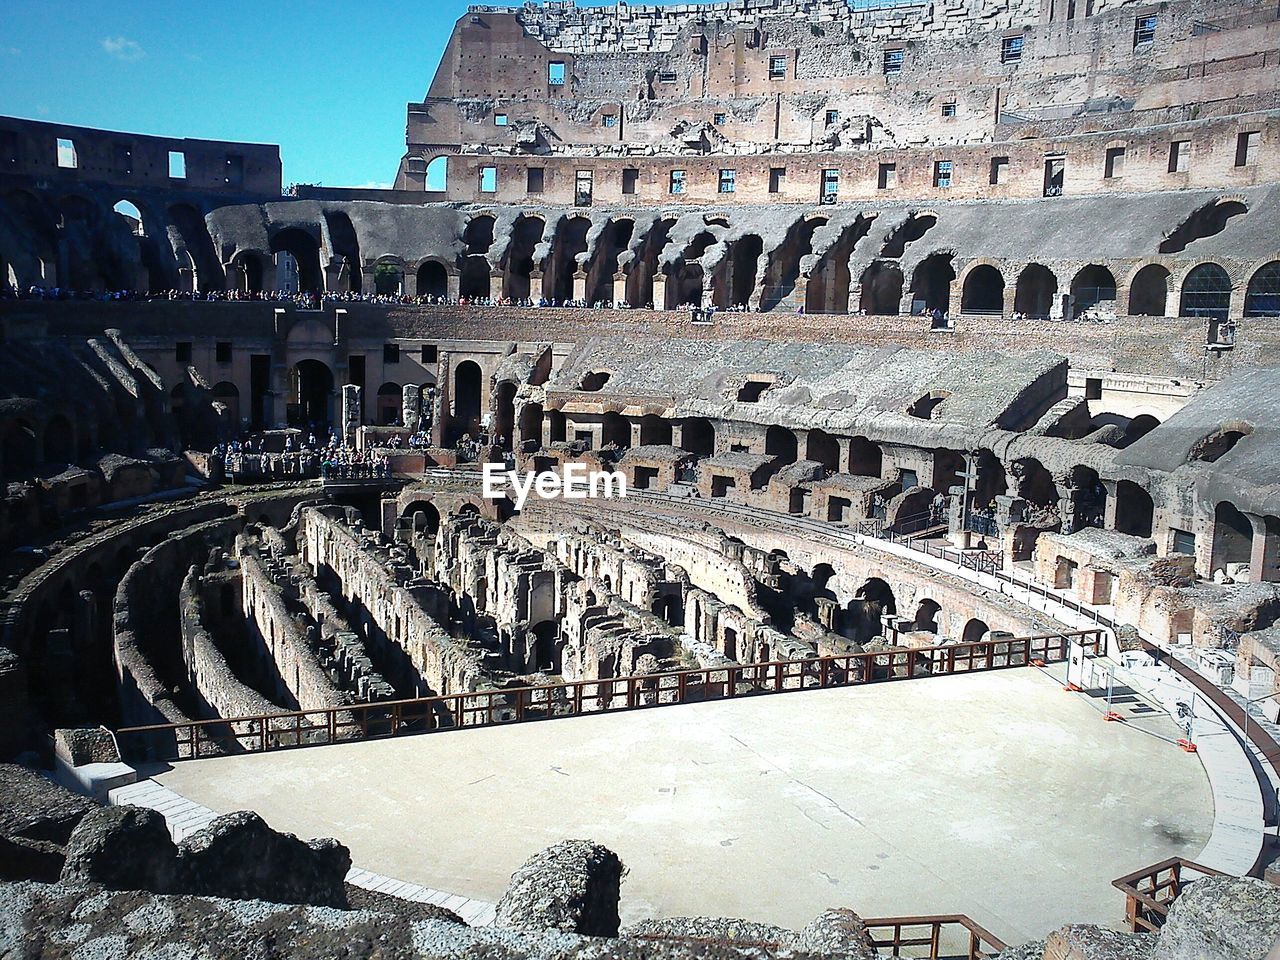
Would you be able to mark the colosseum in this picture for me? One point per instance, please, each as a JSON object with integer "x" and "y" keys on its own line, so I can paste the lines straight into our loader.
{"x": 914, "y": 357}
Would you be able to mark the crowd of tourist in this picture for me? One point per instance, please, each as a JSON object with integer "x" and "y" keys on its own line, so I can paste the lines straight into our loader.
{"x": 303, "y": 457}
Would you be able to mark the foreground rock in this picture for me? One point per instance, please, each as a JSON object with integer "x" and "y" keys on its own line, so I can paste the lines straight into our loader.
{"x": 836, "y": 931}
{"x": 573, "y": 887}
{"x": 122, "y": 848}
{"x": 238, "y": 856}
{"x": 35, "y": 808}
{"x": 1221, "y": 918}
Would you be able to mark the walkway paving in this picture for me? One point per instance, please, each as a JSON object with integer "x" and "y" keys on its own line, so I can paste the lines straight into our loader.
{"x": 184, "y": 817}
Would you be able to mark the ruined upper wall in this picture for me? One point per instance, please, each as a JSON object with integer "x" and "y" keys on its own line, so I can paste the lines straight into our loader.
{"x": 30, "y": 150}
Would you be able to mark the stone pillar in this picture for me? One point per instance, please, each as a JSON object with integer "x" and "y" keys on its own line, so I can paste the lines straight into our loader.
{"x": 410, "y": 406}
{"x": 635, "y": 431}
{"x": 278, "y": 397}
{"x": 659, "y": 292}
{"x": 1264, "y": 558}
{"x": 453, "y": 285}
{"x": 367, "y": 285}
{"x": 907, "y": 302}
{"x": 235, "y": 276}
{"x": 350, "y": 413}
{"x": 619, "y": 288}
{"x": 1010, "y": 297}
{"x": 333, "y": 274}
{"x": 410, "y": 284}
{"x": 1109, "y": 514}
{"x": 535, "y": 285}
{"x": 579, "y": 285}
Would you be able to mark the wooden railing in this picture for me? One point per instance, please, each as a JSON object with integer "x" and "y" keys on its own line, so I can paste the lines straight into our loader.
{"x": 1151, "y": 890}
{"x": 952, "y": 936}
{"x": 933, "y": 938}
{"x": 481, "y": 708}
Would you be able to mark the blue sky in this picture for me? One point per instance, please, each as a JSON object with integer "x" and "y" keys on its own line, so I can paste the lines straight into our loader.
{"x": 327, "y": 81}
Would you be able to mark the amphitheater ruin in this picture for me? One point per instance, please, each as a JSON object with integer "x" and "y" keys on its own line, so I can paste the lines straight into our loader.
{"x": 935, "y": 346}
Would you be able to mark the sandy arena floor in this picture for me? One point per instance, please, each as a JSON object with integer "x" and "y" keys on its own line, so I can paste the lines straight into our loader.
{"x": 997, "y": 795}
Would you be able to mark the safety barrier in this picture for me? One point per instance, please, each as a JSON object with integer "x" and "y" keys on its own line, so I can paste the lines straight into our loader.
{"x": 481, "y": 708}
{"x": 1149, "y": 891}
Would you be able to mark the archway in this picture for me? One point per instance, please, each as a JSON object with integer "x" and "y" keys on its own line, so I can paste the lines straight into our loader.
{"x": 1137, "y": 428}
{"x": 654, "y": 431}
{"x": 248, "y": 272}
{"x": 388, "y": 279}
{"x": 504, "y": 414}
{"x": 1149, "y": 291}
{"x": 390, "y": 403}
{"x": 433, "y": 280}
{"x": 746, "y": 257}
{"x": 466, "y": 399}
{"x": 780, "y": 443}
{"x": 423, "y": 515}
{"x": 865, "y": 458}
{"x": 557, "y": 426}
{"x": 1134, "y": 509}
{"x": 881, "y": 290}
{"x": 1232, "y": 537}
{"x": 698, "y": 436}
{"x": 926, "y": 620}
{"x": 1094, "y": 286}
{"x": 823, "y": 448}
{"x": 974, "y": 631}
{"x": 1035, "y": 292}
{"x": 931, "y": 283}
{"x": 305, "y": 250}
{"x": 1206, "y": 293}
{"x": 473, "y": 284}
{"x": 1262, "y": 297}
{"x": 983, "y": 291}
{"x": 310, "y": 394}
{"x": 531, "y": 425}
{"x": 615, "y": 429}
{"x": 437, "y": 175}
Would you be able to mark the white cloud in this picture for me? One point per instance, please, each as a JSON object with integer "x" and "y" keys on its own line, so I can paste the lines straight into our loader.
{"x": 375, "y": 185}
{"x": 123, "y": 48}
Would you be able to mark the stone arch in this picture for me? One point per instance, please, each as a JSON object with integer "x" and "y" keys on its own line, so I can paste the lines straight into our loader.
{"x": 423, "y": 515}
{"x": 654, "y": 430}
{"x": 304, "y": 247}
{"x": 1134, "y": 509}
{"x": 196, "y": 247}
{"x": 467, "y": 389}
{"x": 745, "y": 261}
{"x": 518, "y": 264}
{"x": 698, "y": 436}
{"x": 645, "y": 266}
{"x": 436, "y": 178}
{"x": 881, "y": 289}
{"x": 390, "y": 398}
{"x": 1137, "y": 428}
{"x": 610, "y": 245}
{"x": 974, "y": 630}
{"x": 823, "y": 448}
{"x": 615, "y": 429}
{"x": 1232, "y": 537}
{"x": 926, "y": 618}
{"x": 1262, "y": 295}
{"x": 477, "y": 235}
{"x": 1206, "y": 292}
{"x": 865, "y": 458}
{"x": 249, "y": 271}
{"x": 310, "y": 393}
{"x": 1036, "y": 291}
{"x": 1092, "y": 286}
{"x": 780, "y": 443}
{"x": 931, "y": 282}
{"x": 1149, "y": 291}
{"x": 474, "y": 280}
{"x": 433, "y": 279}
{"x": 569, "y": 243}
{"x": 982, "y": 290}
{"x": 388, "y": 276}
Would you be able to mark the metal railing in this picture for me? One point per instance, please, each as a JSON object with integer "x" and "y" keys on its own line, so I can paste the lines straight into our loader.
{"x": 482, "y": 708}
{"x": 1150, "y": 891}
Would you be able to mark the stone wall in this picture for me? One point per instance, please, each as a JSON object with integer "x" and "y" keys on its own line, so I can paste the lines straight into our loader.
{"x": 349, "y": 557}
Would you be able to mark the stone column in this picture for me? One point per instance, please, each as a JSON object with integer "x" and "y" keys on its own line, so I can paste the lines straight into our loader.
{"x": 1264, "y": 558}
{"x": 659, "y": 292}
{"x": 350, "y": 413}
{"x": 367, "y": 285}
{"x": 1109, "y": 514}
{"x": 410, "y": 406}
{"x": 535, "y": 285}
{"x": 619, "y": 288}
{"x": 579, "y": 285}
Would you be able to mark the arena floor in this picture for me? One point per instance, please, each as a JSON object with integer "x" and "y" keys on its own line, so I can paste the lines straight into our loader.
{"x": 997, "y": 795}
